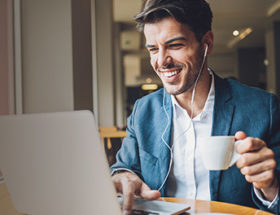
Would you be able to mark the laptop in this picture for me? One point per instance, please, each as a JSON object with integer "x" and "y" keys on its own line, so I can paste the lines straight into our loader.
{"x": 54, "y": 163}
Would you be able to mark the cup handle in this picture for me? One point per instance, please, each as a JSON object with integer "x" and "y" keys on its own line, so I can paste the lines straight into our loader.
{"x": 235, "y": 154}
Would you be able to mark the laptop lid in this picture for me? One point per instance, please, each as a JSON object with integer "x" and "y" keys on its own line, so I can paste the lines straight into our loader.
{"x": 53, "y": 163}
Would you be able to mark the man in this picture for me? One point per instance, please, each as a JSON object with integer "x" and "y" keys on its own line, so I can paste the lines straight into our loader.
{"x": 159, "y": 156}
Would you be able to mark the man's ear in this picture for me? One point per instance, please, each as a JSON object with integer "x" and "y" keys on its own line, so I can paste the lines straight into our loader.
{"x": 208, "y": 40}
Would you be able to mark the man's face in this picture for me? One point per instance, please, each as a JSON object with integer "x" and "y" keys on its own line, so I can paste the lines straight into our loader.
{"x": 176, "y": 55}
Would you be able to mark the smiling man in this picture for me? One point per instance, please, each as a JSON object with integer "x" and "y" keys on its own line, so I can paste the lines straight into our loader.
{"x": 159, "y": 156}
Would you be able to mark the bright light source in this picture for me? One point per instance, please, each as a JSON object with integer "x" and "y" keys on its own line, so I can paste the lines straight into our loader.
{"x": 235, "y": 33}
{"x": 266, "y": 62}
{"x": 245, "y": 33}
{"x": 149, "y": 80}
{"x": 149, "y": 87}
{"x": 241, "y": 36}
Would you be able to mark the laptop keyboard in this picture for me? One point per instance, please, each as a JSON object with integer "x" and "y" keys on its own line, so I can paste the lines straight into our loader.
{"x": 145, "y": 207}
{"x": 141, "y": 212}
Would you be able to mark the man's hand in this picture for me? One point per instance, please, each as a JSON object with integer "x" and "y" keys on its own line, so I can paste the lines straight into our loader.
{"x": 131, "y": 185}
{"x": 257, "y": 164}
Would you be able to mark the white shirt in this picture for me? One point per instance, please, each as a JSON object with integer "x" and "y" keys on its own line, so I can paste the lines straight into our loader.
{"x": 188, "y": 177}
{"x": 193, "y": 182}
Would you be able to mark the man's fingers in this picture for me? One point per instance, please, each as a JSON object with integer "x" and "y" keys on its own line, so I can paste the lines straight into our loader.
{"x": 117, "y": 184}
{"x": 151, "y": 195}
{"x": 261, "y": 180}
{"x": 269, "y": 164}
{"x": 257, "y": 164}
{"x": 147, "y": 193}
{"x": 250, "y": 144}
{"x": 240, "y": 135}
{"x": 128, "y": 184}
{"x": 252, "y": 158}
{"x": 128, "y": 190}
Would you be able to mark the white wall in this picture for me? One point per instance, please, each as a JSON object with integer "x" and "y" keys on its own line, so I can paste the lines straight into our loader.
{"x": 120, "y": 90}
{"x": 104, "y": 55}
{"x": 47, "y": 55}
{"x": 6, "y": 58}
{"x": 132, "y": 66}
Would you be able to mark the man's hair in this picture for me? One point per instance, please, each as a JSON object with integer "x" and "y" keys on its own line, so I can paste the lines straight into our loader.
{"x": 194, "y": 13}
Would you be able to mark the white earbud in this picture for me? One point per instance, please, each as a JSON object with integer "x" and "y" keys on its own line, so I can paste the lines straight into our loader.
{"x": 206, "y": 49}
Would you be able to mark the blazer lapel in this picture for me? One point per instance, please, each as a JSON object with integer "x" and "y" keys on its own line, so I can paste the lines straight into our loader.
{"x": 222, "y": 119}
{"x": 166, "y": 122}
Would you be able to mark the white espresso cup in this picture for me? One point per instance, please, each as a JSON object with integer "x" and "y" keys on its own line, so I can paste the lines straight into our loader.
{"x": 218, "y": 152}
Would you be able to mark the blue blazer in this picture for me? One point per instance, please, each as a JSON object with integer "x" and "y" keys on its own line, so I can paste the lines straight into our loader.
{"x": 236, "y": 108}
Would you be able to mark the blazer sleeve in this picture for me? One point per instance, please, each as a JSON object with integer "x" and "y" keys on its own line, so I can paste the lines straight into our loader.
{"x": 127, "y": 157}
{"x": 273, "y": 142}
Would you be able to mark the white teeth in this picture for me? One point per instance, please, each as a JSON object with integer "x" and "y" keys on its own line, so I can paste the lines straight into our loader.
{"x": 169, "y": 74}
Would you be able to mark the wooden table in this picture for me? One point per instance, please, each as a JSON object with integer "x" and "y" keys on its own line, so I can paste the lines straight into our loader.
{"x": 200, "y": 206}
{"x": 197, "y": 206}
{"x": 6, "y": 205}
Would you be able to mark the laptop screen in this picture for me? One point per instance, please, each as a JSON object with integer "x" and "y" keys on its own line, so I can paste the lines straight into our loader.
{"x": 54, "y": 163}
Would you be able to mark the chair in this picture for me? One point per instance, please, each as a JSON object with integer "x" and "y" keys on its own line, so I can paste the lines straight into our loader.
{"x": 111, "y": 141}
{"x": 108, "y": 129}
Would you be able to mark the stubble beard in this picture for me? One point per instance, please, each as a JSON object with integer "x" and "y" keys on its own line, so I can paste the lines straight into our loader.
{"x": 187, "y": 85}
{"x": 190, "y": 78}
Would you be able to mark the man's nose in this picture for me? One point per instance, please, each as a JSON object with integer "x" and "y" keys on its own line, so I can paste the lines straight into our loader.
{"x": 163, "y": 59}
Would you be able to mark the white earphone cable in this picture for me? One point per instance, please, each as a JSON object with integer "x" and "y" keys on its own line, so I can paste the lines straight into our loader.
{"x": 193, "y": 93}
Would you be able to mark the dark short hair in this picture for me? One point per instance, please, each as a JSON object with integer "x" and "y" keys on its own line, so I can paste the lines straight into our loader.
{"x": 194, "y": 13}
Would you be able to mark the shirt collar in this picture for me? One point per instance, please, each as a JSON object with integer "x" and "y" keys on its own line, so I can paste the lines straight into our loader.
{"x": 208, "y": 107}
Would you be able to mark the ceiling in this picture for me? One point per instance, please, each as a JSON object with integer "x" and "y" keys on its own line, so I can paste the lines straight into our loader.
{"x": 229, "y": 15}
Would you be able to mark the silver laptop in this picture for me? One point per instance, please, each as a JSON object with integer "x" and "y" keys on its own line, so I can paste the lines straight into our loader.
{"x": 54, "y": 163}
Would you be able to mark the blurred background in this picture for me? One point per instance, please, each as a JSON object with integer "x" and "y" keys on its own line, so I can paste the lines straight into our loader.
{"x": 64, "y": 55}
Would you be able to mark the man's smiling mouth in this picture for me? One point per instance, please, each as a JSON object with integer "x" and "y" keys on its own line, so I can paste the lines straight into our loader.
{"x": 170, "y": 74}
{"x": 170, "y": 70}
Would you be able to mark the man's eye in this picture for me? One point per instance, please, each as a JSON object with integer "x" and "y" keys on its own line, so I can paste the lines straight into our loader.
{"x": 175, "y": 45}
{"x": 153, "y": 49}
